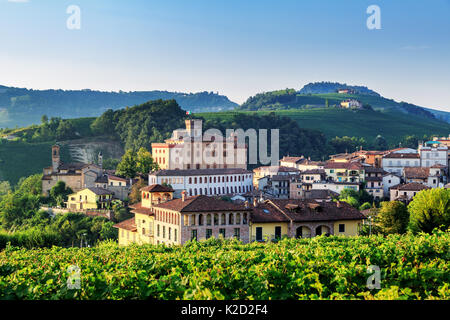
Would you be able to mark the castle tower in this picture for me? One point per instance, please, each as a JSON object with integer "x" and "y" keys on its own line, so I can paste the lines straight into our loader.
{"x": 100, "y": 160}
{"x": 194, "y": 127}
{"x": 56, "y": 160}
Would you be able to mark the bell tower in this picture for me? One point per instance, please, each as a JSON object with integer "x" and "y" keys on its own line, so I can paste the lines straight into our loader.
{"x": 56, "y": 160}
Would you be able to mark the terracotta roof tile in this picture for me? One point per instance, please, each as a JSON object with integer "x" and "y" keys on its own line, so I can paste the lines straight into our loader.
{"x": 129, "y": 225}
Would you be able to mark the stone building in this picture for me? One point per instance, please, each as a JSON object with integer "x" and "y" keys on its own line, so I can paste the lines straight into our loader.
{"x": 77, "y": 176}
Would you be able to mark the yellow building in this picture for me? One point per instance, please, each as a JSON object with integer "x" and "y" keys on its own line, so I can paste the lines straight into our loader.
{"x": 90, "y": 198}
{"x": 140, "y": 228}
{"x": 277, "y": 218}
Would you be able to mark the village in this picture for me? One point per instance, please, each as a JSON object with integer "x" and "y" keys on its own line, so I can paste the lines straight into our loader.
{"x": 298, "y": 198}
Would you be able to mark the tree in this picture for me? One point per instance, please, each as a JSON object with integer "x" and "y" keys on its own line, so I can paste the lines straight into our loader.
{"x": 59, "y": 193}
{"x": 380, "y": 143}
{"x": 135, "y": 194}
{"x": 5, "y": 187}
{"x": 144, "y": 161}
{"x": 30, "y": 185}
{"x": 128, "y": 164}
{"x": 44, "y": 119}
{"x": 430, "y": 209}
{"x": 393, "y": 217}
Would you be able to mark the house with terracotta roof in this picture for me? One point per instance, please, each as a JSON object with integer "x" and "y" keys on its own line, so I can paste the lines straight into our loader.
{"x": 433, "y": 177}
{"x": 395, "y": 162}
{"x": 270, "y": 171}
{"x": 345, "y": 172}
{"x": 406, "y": 192}
{"x": 390, "y": 180}
{"x": 276, "y": 218}
{"x": 301, "y": 163}
{"x": 161, "y": 219}
{"x": 90, "y": 198}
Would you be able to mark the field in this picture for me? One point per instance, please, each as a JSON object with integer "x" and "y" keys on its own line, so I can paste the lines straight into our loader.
{"x": 412, "y": 267}
{"x": 21, "y": 159}
{"x": 367, "y": 124}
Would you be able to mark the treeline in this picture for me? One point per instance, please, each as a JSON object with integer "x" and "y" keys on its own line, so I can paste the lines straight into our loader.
{"x": 25, "y": 106}
{"x": 293, "y": 139}
{"x": 332, "y": 87}
{"x": 284, "y": 100}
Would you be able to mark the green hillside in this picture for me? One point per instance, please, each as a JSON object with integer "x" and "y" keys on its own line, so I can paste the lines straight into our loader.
{"x": 362, "y": 123}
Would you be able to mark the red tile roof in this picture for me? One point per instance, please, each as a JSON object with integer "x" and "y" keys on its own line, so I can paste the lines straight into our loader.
{"x": 138, "y": 208}
{"x": 304, "y": 211}
{"x": 413, "y": 186}
{"x": 157, "y": 188}
{"x": 127, "y": 225}
{"x": 200, "y": 203}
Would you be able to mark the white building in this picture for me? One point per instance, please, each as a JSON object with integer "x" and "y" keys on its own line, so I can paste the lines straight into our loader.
{"x": 209, "y": 182}
{"x": 395, "y": 162}
{"x": 390, "y": 180}
{"x": 433, "y": 154}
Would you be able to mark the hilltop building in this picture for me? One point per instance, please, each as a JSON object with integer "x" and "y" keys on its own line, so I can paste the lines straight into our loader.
{"x": 190, "y": 149}
{"x": 351, "y": 104}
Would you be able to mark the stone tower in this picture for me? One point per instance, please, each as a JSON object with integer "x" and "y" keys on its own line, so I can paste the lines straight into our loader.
{"x": 100, "y": 160}
{"x": 56, "y": 160}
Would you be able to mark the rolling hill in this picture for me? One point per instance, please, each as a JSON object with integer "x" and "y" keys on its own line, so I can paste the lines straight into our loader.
{"x": 23, "y": 107}
{"x": 317, "y": 95}
{"x": 393, "y": 126}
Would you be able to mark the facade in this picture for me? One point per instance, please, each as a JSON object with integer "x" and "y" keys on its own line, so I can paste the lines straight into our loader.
{"x": 120, "y": 187}
{"x": 406, "y": 192}
{"x": 334, "y": 186}
{"x": 390, "y": 180}
{"x": 210, "y": 182}
{"x": 374, "y": 182}
{"x": 160, "y": 219}
{"x": 190, "y": 149}
{"x": 270, "y": 171}
{"x": 345, "y": 172}
{"x": 276, "y": 218}
{"x": 395, "y": 162}
{"x": 90, "y": 199}
{"x": 433, "y": 153}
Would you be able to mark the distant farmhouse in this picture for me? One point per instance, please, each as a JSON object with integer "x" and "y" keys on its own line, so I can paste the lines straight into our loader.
{"x": 346, "y": 91}
{"x": 351, "y": 104}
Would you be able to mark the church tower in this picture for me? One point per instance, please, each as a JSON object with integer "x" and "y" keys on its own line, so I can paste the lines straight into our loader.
{"x": 56, "y": 160}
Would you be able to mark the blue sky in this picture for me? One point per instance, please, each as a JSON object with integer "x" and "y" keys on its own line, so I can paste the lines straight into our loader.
{"x": 235, "y": 47}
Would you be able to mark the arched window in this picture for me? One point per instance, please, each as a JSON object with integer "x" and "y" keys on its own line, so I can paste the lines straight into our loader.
{"x": 208, "y": 219}
{"x": 190, "y": 180}
{"x": 224, "y": 219}
{"x": 238, "y": 218}
{"x": 200, "y": 219}
{"x": 231, "y": 218}
{"x": 216, "y": 219}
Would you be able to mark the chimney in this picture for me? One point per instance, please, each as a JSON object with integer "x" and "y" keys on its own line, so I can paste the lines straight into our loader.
{"x": 183, "y": 195}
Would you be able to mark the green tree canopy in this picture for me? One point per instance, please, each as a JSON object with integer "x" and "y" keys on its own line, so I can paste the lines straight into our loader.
{"x": 393, "y": 217}
{"x": 128, "y": 165}
{"x": 144, "y": 161}
{"x": 430, "y": 209}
